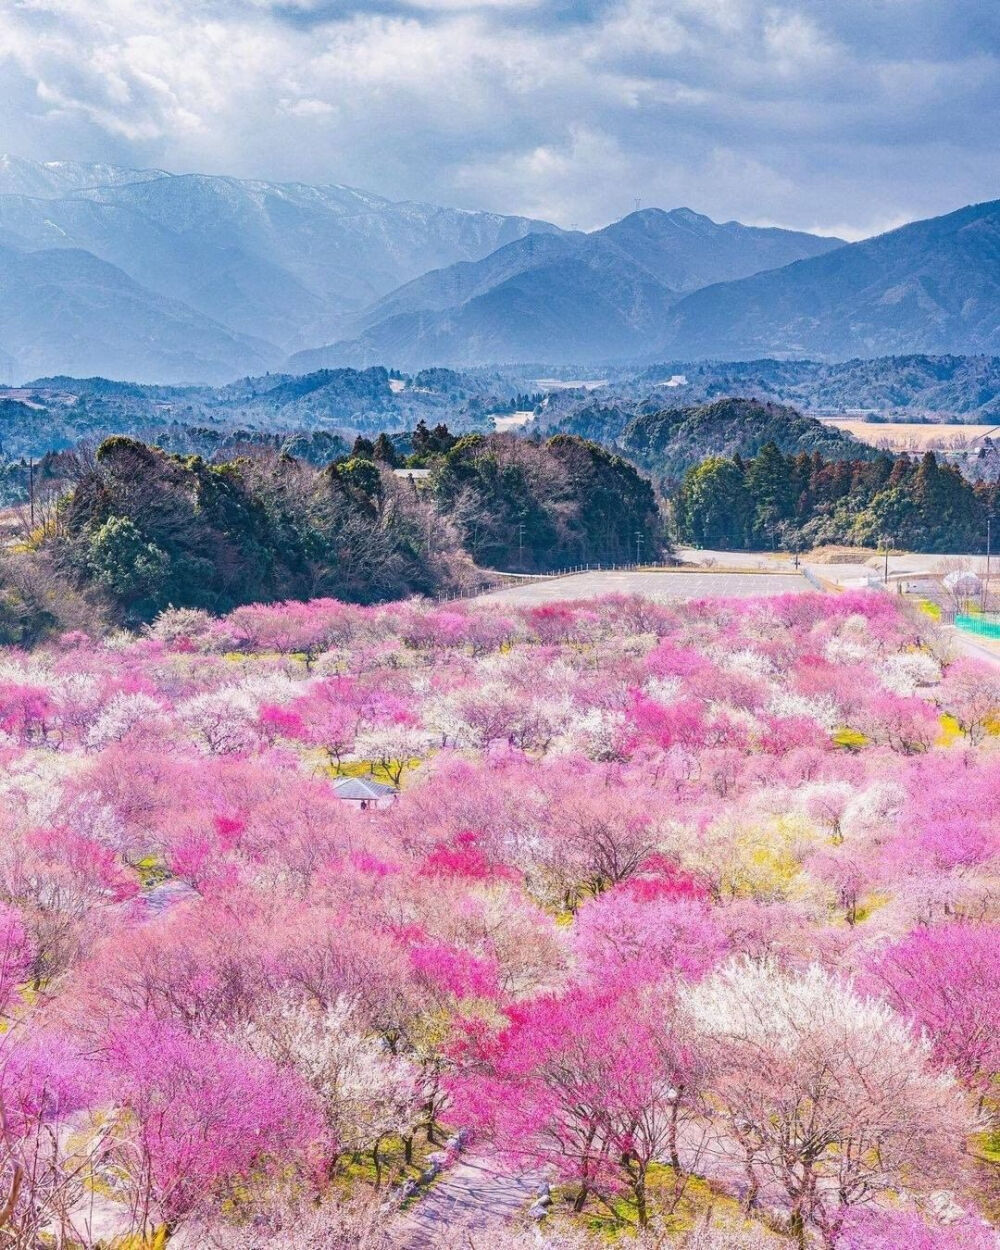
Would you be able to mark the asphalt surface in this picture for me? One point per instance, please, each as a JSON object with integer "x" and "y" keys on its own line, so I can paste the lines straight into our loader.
{"x": 975, "y": 647}
{"x": 662, "y": 585}
{"x": 473, "y": 1193}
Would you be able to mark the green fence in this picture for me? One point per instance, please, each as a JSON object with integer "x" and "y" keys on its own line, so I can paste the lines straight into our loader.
{"x": 981, "y": 625}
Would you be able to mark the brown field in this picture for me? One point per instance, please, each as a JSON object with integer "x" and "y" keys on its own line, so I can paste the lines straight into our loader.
{"x": 914, "y": 436}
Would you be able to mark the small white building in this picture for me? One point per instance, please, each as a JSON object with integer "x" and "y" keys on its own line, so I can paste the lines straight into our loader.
{"x": 364, "y": 793}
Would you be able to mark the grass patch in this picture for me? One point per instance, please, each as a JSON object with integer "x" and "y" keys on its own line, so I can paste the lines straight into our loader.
{"x": 676, "y": 1208}
{"x": 358, "y": 1168}
{"x": 988, "y": 1146}
{"x": 136, "y": 1241}
{"x": 870, "y": 905}
{"x": 152, "y": 871}
{"x": 375, "y": 771}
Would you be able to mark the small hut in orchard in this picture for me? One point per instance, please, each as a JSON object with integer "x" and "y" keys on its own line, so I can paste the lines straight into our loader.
{"x": 364, "y": 793}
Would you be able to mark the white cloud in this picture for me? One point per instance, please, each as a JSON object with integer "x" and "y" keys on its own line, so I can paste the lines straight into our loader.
{"x": 809, "y": 114}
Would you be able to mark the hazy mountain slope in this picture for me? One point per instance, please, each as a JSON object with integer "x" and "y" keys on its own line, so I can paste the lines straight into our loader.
{"x": 281, "y": 262}
{"x": 66, "y": 311}
{"x": 247, "y": 292}
{"x": 590, "y": 305}
{"x": 932, "y": 286}
{"x": 454, "y": 285}
{"x": 687, "y": 250}
{"x": 348, "y": 247}
{"x": 575, "y": 298}
{"x": 682, "y": 249}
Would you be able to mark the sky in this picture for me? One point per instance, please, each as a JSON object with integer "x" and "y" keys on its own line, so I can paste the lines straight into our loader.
{"x": 844, "y": 116}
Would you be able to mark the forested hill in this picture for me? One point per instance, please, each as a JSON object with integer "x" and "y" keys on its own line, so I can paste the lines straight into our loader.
{"x": 794, "y": 502}
{"x": 668, "y": 441}
{"x": 134, "y": 529}
{"x": 308, "y": 414}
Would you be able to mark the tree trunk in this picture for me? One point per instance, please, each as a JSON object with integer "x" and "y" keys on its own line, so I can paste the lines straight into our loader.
{"x": 639, "y": 1187}
{"x": 675, "y": 1160}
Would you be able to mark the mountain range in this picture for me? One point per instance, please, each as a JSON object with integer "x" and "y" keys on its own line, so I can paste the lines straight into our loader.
{"x": 567, "y": 297}
{"x": 179, "y": 278}
{"x": 931, "y": 286}
{"x": 658, "y": 285}
{"x": 243, "y": 271}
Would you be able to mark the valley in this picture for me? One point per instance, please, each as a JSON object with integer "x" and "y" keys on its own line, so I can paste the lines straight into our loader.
{"x": 499, "y": 625}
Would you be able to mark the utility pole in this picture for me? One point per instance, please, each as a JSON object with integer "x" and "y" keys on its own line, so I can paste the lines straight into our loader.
{"x": 31, "y": 493}
{"x": 885, "y": 543}
{"x": 638, "y": 544}
{"x": 520, "y": 542}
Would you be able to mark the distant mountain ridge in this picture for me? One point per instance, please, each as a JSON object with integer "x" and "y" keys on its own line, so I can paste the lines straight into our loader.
{"x": 570, "y": 297}
{"x": 189, "y": 278}
{"x": 928, "y": 287}
{"x": 906, "y": 387}
{"x": 279, "y": 264}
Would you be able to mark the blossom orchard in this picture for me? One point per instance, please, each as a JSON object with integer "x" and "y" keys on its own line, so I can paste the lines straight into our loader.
{"x": 689, "y": 911}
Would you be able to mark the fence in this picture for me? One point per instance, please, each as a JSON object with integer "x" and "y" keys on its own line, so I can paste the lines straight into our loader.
{"x": 980, "y": 625}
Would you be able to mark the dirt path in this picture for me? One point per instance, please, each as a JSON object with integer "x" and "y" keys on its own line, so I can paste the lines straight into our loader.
{"x": 474, "y": 1192}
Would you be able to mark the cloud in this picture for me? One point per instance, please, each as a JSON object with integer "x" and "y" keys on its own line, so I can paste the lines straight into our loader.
{"x": 807, "y": 114}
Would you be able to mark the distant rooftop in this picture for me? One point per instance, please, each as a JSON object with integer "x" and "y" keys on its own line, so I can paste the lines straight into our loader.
{"x": 414, "y": 473}
{"x": 362, "y": 788}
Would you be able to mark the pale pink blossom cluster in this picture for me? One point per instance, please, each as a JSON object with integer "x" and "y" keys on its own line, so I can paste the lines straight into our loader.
{"x": 671, "y": 901}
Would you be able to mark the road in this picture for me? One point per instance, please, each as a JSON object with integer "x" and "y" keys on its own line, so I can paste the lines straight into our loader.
{"x": 662, "y": 585}
{"x": 473, "y": 1193}
{"x": 974, "y": 647}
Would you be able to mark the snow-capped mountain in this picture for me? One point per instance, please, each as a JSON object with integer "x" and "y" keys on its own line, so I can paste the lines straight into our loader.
{"x": 283, "y": 264}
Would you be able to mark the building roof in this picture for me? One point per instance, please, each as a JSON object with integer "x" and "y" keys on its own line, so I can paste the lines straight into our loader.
{"x": 362, "y": 788}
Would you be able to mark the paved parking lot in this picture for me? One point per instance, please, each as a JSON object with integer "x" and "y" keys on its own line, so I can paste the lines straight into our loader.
{"x": 663, "y": 586}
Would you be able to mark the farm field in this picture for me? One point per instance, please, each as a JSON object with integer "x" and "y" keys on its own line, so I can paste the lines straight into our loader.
{"x": 914, "y": 436}
{"x": 672, "y": 924}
